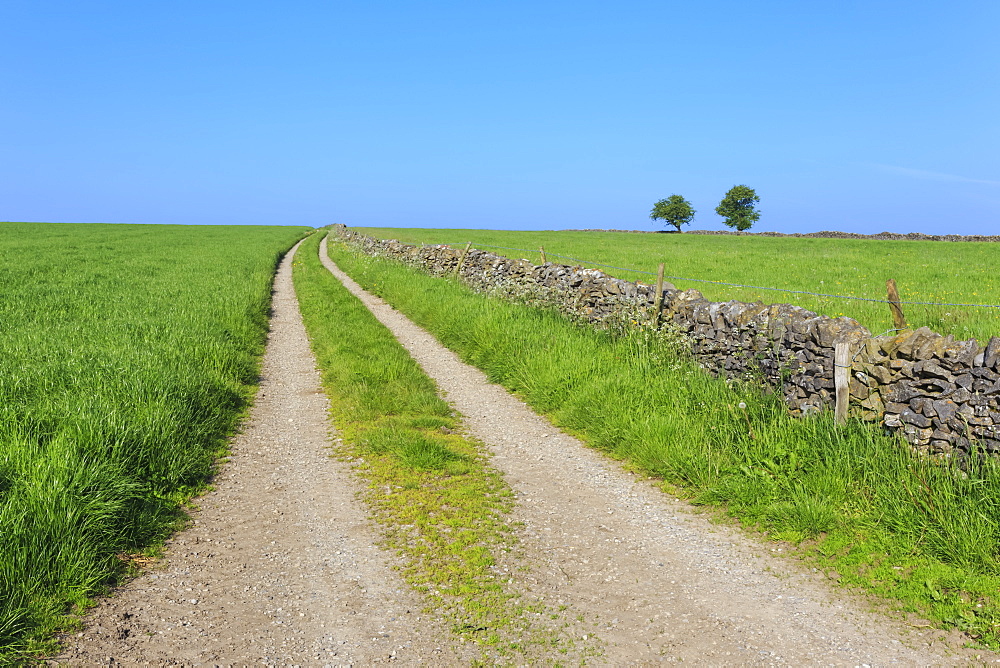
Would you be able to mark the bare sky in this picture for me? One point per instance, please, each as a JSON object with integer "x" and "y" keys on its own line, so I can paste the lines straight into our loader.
{"x": 856, "y": 116}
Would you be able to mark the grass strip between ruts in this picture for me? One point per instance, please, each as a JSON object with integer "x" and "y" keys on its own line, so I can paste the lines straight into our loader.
{"x": 850, "y": 500}
{"x": 438, "y": 501}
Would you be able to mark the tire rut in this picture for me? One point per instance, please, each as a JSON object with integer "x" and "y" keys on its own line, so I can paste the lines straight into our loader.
{"x": 280, "y": 564}
{"x": 660, "y": 582}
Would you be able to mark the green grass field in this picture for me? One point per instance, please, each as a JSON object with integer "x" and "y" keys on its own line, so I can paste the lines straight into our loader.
{"x": 127, "y": 355}
{"x": 850, "y": 499}
{"x": 926, "y": 271}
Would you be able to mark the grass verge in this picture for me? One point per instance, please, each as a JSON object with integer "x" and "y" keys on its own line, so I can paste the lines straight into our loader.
{"x": 852, "y": 501}
{"x": 439, "y": 503}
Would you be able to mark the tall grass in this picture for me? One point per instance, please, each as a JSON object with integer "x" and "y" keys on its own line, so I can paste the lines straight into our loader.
{"x": 850, "y": 498}
{"x": 127, "y": 353}
{"x": 926, "y": 271}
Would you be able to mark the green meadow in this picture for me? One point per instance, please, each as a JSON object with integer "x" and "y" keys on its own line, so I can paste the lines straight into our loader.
{"x": 128, "y": 353}
{"x": 925, "y": 271}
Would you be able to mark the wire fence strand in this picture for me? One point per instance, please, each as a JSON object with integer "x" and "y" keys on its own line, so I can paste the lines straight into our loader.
{"x": 733, "y": 285}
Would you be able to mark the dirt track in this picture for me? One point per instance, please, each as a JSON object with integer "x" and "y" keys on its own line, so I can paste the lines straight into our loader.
{"x": 281, "y": 567}
{"x": 662, "y": 583}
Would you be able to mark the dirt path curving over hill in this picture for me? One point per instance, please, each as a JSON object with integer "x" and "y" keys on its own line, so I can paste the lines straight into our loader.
{"x": 659, "y": 583}
{"x": 280, "y": 566}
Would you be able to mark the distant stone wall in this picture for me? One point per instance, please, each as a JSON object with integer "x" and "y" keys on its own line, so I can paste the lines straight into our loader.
{"x": 941, "y": 395}
{"x": 881, "y": 236}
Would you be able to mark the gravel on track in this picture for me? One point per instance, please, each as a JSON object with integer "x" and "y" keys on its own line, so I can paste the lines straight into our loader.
{"x": 660, "y": 582}
{"x": 280, "y": 565}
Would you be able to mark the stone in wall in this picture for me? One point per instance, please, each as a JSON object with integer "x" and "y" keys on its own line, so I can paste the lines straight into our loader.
{"x": 942, "y": 393}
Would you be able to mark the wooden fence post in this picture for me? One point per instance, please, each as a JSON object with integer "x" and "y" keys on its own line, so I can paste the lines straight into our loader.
{"x": 541, "y": 250}
{"x": 461, "y": 260}
{"x": 658, "y": 304}
{"x": 897, "y": 311}
{"x": 841, "y": 379}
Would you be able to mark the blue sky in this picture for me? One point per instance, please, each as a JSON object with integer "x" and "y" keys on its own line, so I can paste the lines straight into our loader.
{"x": 856, "y": 116}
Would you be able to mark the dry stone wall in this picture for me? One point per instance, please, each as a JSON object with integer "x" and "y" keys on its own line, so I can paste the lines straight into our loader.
{"x": 941, "y": 395}
{"x": 881, "y": 236}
